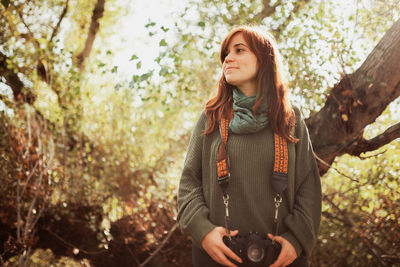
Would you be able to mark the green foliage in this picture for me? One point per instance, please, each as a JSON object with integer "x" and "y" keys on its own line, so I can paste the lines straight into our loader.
{"x": 361, "y": 212}
{"x": 119, "y": 142}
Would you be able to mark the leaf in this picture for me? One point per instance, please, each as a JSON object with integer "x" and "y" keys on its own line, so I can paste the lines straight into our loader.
{"x": 144, "y": 77}
{"x": 133, "y": 57}
{"x": 150, "y": 24}
{"x": 135, "y": 78}
{"x": 114, "y": 69}
{"x": 117, "y": 86}
{"x": 201, "y": 24}
{"x": 163, "y": 71}
{"x": 139, "y": 65}
{"x": 163, "y": 42}
{"x": 164, "y": 29}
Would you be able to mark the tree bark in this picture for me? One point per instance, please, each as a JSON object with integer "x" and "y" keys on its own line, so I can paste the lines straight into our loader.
{"x": 267, "y": 10}
{"x": 12, "y": 80}
{"x": 93, "y": 29}
{"x": 357, "y": 100}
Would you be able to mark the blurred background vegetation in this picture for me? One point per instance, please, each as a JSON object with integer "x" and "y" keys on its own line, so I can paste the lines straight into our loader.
{"x": 91, "y": 151}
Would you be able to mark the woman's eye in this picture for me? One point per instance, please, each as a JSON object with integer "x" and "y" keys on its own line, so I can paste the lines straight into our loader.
{"x": 239, "y": 50}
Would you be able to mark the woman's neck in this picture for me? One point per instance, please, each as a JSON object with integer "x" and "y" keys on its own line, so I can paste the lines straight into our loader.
{"x": 248, "y": 90}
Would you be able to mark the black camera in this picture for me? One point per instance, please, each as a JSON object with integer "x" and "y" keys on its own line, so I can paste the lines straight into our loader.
{"x": 254, "y": 249}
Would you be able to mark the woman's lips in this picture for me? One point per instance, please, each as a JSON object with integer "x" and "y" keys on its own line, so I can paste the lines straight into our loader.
{"x": 230, "y": 68}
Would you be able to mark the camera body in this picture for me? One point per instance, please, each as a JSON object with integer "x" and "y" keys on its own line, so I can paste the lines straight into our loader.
{"x": 254, "y": 249}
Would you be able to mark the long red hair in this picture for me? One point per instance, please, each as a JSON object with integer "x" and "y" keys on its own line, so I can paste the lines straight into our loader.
{"x": 270, "y": 83}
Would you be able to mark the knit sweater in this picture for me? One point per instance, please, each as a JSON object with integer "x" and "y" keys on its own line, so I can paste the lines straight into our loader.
{"x": 251, "y": 207}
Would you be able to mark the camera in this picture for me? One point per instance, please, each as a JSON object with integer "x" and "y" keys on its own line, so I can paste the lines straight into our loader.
{"x": 254, "y": 249}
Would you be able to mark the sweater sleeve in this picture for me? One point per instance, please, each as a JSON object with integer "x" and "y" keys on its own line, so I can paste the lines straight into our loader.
{"x": 193, "y": 212}
{"x": 303, "y": 222}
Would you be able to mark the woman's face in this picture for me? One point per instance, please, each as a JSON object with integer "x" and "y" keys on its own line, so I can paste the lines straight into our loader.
{"x": 240, "y": 65}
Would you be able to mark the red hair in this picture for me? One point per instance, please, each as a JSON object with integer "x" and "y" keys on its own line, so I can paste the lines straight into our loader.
{"x": 270, "y": 84}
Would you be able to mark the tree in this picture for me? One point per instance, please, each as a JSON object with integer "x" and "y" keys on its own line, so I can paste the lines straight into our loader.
{"x": 92, "y": 184}
{"x": 356, "y": 101}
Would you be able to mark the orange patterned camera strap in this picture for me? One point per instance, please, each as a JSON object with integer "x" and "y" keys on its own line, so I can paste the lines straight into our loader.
{"x": 222, "y": 161}
{"x": 281, "y": 155}
{"x": 281, "y": 152}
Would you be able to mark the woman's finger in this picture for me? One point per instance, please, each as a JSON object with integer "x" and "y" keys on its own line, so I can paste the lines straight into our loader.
{"x": 287, "y": 254}
{"x": 232, "y": 233}
{"x": 228, "y": 252}
{"x": 277, "y": 238}
{"x": 222, "y": 259}
{"x": 280, "y": 260}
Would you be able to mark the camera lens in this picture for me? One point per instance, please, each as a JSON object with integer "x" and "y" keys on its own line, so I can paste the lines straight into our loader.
{"x": 255, "y": 253}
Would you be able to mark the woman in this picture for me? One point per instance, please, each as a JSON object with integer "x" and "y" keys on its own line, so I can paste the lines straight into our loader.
{"x": 252, "y": 102}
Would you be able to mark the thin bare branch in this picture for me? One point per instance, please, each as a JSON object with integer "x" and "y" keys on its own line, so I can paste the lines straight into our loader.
{"x": 362, "y": 145}
{"x": 161, "y": 245}
{"x": 336, "y": 169}
{"x": 63, "y": 13}
{"x": 18, "y": 211}
{"x": 72, "y": 245}
{"x": 30, "y": 33}
{"x": 373, "y": 156}
{"x": 343, "y": 193}
{"x": 31, "y": 172}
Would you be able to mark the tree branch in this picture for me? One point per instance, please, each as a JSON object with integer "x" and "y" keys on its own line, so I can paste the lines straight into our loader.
{"x": 298, "y": 5}
{"x": 362, "y": 145}
{"x": 30, "y": 33}
{"x": 161, "y": 246}
{"x": 63, "y": 13}
{"x": 93, "y": 29}
{"x": 266, "y": 11}
{"x": 14, "y": 81}
{"x": 336, "y": 169}
{"x": 357, "y": 100}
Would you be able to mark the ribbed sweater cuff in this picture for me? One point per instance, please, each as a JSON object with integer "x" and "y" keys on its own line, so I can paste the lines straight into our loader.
{"x": 199, "y": 226}
{"x": 289, "y": 237}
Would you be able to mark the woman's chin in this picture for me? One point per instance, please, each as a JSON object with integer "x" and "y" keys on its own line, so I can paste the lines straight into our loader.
{"x": 233, "y": 82}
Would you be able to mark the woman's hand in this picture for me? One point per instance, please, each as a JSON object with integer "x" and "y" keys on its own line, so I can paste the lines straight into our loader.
{"x": 288, "y": 252}
{"x": 212, "y": 243}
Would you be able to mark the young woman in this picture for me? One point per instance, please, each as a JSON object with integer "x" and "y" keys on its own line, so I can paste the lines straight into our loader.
{"x": 252, "y": 103}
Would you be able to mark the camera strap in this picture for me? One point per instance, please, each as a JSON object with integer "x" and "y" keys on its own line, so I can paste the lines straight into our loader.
{"x": 279, "y": 175}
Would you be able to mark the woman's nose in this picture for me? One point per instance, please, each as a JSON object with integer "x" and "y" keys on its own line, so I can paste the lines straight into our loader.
{"x": 228, "y": 58}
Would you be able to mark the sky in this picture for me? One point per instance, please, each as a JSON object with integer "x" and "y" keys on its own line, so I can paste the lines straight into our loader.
{"x": 134, "y": 36}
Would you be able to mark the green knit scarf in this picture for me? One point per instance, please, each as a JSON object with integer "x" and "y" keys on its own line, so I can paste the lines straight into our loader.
{"x": 243, "y": 121}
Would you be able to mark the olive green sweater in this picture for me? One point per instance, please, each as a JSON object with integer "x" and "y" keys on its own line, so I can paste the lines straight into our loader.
{"x": 200, "y": 204}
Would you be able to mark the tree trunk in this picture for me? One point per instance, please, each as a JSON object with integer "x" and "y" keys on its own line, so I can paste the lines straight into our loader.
{"x": 356, "y": 101}
{"x": 98, "y": 12}
{"x": 15, "y": 83}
